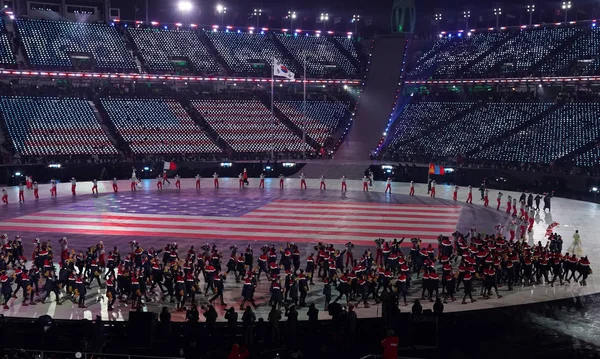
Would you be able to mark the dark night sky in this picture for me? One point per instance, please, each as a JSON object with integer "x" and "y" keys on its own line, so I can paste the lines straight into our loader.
{"x": 514, "y": 12}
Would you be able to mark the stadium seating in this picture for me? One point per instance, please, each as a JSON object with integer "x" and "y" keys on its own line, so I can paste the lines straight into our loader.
{"x": 6, "y": 53}
{"x": 158, "y": 48}
{"x": 417, "y": 117}
{"x": 475, "y": 128}
{"x": 248, "y": 126}
{"x": 519, "y": 54}
{"x": 349, "y": 45}
{"x": 448, "y": 61}
{"x": 53, "y": 126}
{"x": 320, "y": 54}
{"x": 50, "y": 43}
{"x": 244, "y": 51}
{"x": 557, "y": 135}
{"x": 576, "y": 58}
{"x": 589, "y": 158}
{"x": 157, "y": 126}
{"x": 322, "y": 117}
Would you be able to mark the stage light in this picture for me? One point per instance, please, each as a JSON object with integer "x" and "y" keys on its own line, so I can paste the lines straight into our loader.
{"x": 146, "y": 168}
{"x": 185, "y": 6}
{"x": 288, "y": 164}
{"x": 268, "y": 168}
{"x": 386, "y": 167}
{"x": 226, "y": 164}
{"x": 594, "y": 189}
{"x": 54, "y": 165}
{"x": 18, "y": 174}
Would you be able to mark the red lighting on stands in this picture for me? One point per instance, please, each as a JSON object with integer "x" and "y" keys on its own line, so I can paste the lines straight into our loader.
{"x": 154, "y": 23}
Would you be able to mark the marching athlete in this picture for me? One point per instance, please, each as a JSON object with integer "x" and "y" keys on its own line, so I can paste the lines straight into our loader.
{"x": 322, "y": 186}
{"x": 53, "y": 188}
{"x": 159, "y": 183}
{"x": 4, "y": 196}
{"x": 281, "y": 179}
{"x": 388, "y": 185}
{"x": 115, "y": 185}
{"x": 261, "y": 184}
{"x": 344, "y": 187}
{"x": 302, "y": 181}
{"x": 197, "y": 181}
{"x": 455, "y": 193}
{"x": 499, "y": 200}
{"x": 412, "y": 189}
{"x": 365, "y": 180}
{"x": 433, "y": 188}
{"x": 35, "y": 187}
{"x": 73, "y": 186}
{"x": 94, "y": 186}
{"x": 21, "y": 192}
{"x": 470, "y": 195}
{"x": 216, "y": 180}
{"x": 177, "y": 181}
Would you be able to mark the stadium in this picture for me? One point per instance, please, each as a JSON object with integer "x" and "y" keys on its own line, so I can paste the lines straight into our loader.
{"x": 169, "y": 167}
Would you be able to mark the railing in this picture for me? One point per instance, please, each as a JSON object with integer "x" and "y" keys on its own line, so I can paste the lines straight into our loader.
{"x": 50, "y": 354}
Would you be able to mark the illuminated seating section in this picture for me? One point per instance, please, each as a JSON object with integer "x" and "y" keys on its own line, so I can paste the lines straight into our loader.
{"x": 157, "y": 126}
{"x": 6, "y": 54}
{"x": 53, "y": 126}
{"x": 589, "y": 158}
{"x": 562, "y": 132}
{"x": 248, "y": 126}
{"x": 581, "y": 54}
{"x": 49, "y": 43}
{"x": 319, "y": 53}
{"x": 158, "y": 48}
{"x": 417, "y": 67}
{"x": 519, "y": 54}
{"x": 459, "y": 52}
{"x": 348, "y": 45}
{"x": 417, "y": 117}
{"x": 322, "y": 117}
{"x": 241, "y": 50}
{"x": 475, "y": 128}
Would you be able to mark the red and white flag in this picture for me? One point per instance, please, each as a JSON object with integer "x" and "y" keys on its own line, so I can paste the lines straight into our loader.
{"x": 170, "y": 166}
{"x": 550, "y": 228}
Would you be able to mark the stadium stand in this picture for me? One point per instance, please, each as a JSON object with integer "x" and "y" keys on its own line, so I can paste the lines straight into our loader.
{"x": 159, "y": 49}
{"x": 323, "y": 118}
{"x": 557, "y": 135}
{"x": 448, "y": 62}
{"x": 54, "y": 126}
{"x": 6, "y": 54}
{"x": 247, "y": 53}
{"x": 157, "y": 126}
{"x": 417, "y": 118}
{"x": 52, "y": 43}
{"x": 321, "y": 55}
{"x": 248, "y": 126}
{"x": 580, "y": 58}
{"x": 472, "y": 130}
{"x": 589, "y": 158}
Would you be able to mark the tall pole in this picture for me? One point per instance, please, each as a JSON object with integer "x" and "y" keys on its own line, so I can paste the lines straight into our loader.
{"x": 146, "y": 9}
{"x": 304, "y": 112}
{"x": 272, "y": 112}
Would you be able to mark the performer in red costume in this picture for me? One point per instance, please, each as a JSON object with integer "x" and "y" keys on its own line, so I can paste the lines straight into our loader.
{"x": 21, "y": 192}
{"x": 216, "y": 180}
{"x": 344, "y": 187}
{"x": 388, "y": 185}
{"x": 412, "y": 189}
{"x": 159, "y": 183}
{"x": 94, "y": 186}
{"x": 470, "y": 195}
{"x": 35, "y": 187}
{"x": 281, "y": 180}
{"x": 261, "y": 184}
{"x": 365, "y": 180}
{"x": 73, "y": 186}
{"x": 197, "y": 181}
{"x": 115, "y": 185}
{"x": 302, "y": 181}
{"x": 455, "y": 193}
{"x": 4, "y": 196}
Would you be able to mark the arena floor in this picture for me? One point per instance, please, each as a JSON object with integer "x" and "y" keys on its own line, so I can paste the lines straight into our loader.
{"x": 230, "y": 215}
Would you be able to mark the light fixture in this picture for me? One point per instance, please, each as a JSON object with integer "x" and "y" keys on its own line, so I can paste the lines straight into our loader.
{"x": 324, "y": 17}
{"x": 185, "y": 6}
{"x": 221, "y": 9}
{"x": 566, "y": 5}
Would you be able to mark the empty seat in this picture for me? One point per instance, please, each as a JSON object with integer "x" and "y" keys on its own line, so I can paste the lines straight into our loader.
{"x": 53, "y": 126}
{"x": 157, "y": 126}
